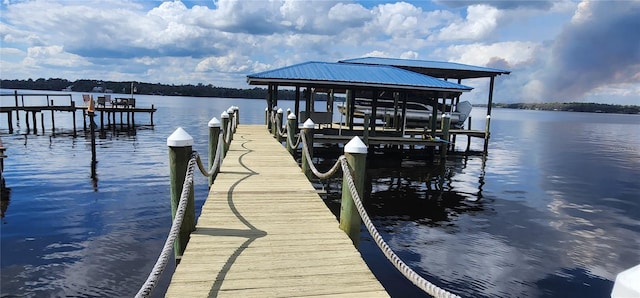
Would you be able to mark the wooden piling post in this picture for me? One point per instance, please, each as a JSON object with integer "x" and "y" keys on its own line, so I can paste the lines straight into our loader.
{"x": 292, "y": 125}
{"x": 356, "y": 153}
{"x": 486, "y": 133}
{"x": 15, "y": 94}
{"x": 10, "y": 121}
{"x": 232, "y": 120}
{"x": 73, "y": 113}
{"x": 151, "y": 115}
{"x": 53, "y": 121}
{"x": 26, "y": 119}
{"x": 365, "y": 133}
{"x": 214, "y": 135}
{"x": 446, "y": 124}
{"x": 236, "y": 112}
{"x": 307, "y": 130}
{"x": 469, "y": 136}
{"x": 42, "y": 121}
{"x": 225, "y": 124}
{"x": 180, "y": 145}
{"x": 279, "y": 120}
{"x": 35, "y": 122}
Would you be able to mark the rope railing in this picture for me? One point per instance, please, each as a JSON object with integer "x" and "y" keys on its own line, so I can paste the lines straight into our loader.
{"x": 161, "y": 263}
{"x": 409, "y": 273}
{"x": 402, "y": 267}
{"x": 313, "y": 168}
{"x": 194, "y": 160}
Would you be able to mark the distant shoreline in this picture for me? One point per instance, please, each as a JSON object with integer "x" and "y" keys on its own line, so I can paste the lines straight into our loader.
{"x": 571, "y": 107}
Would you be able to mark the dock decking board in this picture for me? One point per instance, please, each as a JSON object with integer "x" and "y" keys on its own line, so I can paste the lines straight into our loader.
{"x": 265, "y": 232}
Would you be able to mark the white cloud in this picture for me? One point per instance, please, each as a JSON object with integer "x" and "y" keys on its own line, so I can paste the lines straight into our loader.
{"x": 481, "y": 20}
{"x": 52, "y": 56}
{"x": 513, "y": 53}
{"x": 223, "y": 41}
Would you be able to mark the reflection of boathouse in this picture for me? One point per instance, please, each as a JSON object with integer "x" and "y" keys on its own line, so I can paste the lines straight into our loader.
{"x": 390, "y": 85}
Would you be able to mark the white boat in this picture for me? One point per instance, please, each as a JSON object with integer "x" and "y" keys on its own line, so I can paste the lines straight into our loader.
{"x": 418, "y": 114}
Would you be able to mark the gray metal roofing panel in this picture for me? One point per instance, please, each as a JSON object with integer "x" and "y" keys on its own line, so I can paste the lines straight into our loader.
{"x": 355, "y": 74}
{"x": 423, "y": 64}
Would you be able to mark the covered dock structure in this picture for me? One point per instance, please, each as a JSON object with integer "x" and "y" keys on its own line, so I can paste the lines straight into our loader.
{"x": 399, "y": 80}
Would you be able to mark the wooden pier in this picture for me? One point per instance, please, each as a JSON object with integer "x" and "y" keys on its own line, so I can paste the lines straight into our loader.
{"x": 31, "y": 111}
{"x": 265, "y": 232}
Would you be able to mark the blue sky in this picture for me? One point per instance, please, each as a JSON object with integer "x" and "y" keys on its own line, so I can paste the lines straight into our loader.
{"x": 559, "y": 50}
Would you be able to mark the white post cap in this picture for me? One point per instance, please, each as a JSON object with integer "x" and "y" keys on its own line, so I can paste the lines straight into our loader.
{"x": 308, "y": 124}
{"x": 488, "y": 116}
{"x": 214, "y": 122}
{"x": 355, "y": 146}
{"x": 230, "y": 111}
{"x": 280, "y": 111}
{"x": 235, "y": 108}
{"x": 626, "y": 284}
{"x": 224, "y": 115}
{"x": 179, "y": 138}
{"x": 291, "y": 117}
{"x": 447, "y": 115}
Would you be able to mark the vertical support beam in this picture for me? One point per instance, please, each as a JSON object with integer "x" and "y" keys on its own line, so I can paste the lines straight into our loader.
{"x": 26, "y": 119}
{"x": 292, "y": 126}
{"x": 446, "y": 123}
{"x": 365, "y": 132}
{"x": 10, "y": 121}
{"x": 296, "y": 108}
{"x": 488, "y": 123}
{"x": 307, "y": 103}
{"x": 15, "y": 95}
{"x": 180, "y": 147}
{"x": 486, "y": 133}
{"x": 214, "y": 135}
{"x": 307, "y": 130}
{"x": 152, "y": 108}
{"x": 374, "y": 112}
{"x": 356, "y": 153}
{"x": 53, "y": 121}
{"x": 35, "y": 123}
{"x": 269, "y": 107}
{"x": 73, "y": 113}
{"x": 469, "y": 136}
{"x": 351, "y": 102}
{"x": 42, "y": 121}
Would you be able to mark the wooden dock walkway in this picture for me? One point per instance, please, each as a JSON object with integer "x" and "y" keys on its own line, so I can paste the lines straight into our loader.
{"x": 265, "y": 232}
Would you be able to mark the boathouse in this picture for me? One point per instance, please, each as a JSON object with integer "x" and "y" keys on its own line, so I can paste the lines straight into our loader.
{"x": 376, "y": 80}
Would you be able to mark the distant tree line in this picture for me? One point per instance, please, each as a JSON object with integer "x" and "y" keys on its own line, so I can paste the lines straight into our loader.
{"x": 573, "y": 107}
{"x": 199, "y": 90}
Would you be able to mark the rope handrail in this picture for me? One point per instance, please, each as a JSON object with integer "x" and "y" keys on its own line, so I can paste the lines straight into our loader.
{"x": 409, "y": 273}
{"x": 298, "y": 140}
{"x": 313, "y": 168}
{"x": 194, "y": 160}
{"x": 161, "y": 263}
{"x": 216, "y": 160}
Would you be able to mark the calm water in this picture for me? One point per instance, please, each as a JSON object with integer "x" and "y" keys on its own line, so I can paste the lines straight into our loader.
{"x": 552, "y": 211}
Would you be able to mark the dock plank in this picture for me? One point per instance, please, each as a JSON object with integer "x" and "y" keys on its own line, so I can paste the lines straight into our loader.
{"x": 265, "y": 232}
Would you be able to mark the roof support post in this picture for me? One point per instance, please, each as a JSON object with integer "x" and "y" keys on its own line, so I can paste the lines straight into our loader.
{"x": 297, "y": 103}
{"x": 374, "y": 112}
{"x": 307, "y": 98}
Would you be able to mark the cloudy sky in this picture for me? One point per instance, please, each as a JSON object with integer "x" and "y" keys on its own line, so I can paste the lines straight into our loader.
{"x": 557, "y": 50}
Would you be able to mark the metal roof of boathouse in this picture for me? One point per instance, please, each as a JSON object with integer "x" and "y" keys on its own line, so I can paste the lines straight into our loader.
{"x": 352, "y": 75}
{"x": 438, "y": 69}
